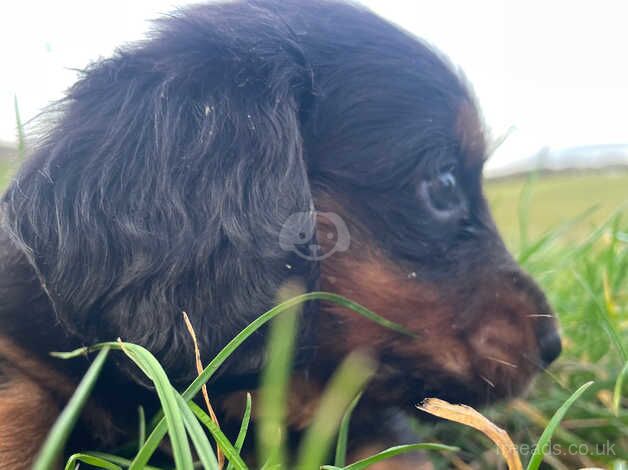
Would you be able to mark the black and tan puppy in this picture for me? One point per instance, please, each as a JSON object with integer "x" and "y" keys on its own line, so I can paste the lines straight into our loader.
{"x": 242, "y": 145}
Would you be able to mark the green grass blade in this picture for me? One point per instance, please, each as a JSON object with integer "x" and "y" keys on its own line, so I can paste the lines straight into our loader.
{"x": 523, "y": 208}
{"x": 553, "y": 234}
{"x": 21, "y": 139}
{"x": 150, "y": 446}
{"x": 141, "y": 427}
{"x": 343, "y": 434}
{"x": 58, "y": 435}
{"x": 602, "y": 316}
{"x": 244, "y": 427}
{"x": 586, "y": 245}
{"x": 228, "y": 449}
{"x": 121, "y": 461}
{"x": 392, "y": 452}
{"x": 83, "y": 351}
{"x": 271, "y": 437}
{"x": 168, "y": 398}
{"x": 363, "y": 311}
{"x": 346, "y": 383}
{"x": 543, "y": 442}
{"x": 159, "y": 430}
{"x": 197, "y": 435}
{"x": 618, "y": 390}
{"x": 91, "y": 460}
{"x": 173, "y": 421}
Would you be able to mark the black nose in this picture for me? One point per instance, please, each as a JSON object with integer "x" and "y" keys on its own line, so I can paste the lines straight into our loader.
{"x": 549, "y": 348}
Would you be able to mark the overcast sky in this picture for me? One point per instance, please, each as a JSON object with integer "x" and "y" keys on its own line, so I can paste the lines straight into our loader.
{"x": 556, "y": 70}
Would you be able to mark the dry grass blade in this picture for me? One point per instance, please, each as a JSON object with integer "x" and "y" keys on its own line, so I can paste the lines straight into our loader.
{"x": 468, "y": 416}
{"x": 199, "y": 369}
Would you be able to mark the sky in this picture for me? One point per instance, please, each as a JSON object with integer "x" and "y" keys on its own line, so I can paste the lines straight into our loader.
{"x": 548, "y": 73}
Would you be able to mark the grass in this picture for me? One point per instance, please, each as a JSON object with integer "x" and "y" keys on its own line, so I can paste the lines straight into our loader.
{"x": 557, "y": 199}
{"x": 178, "y": 410}
{"x": 580, "y": 258}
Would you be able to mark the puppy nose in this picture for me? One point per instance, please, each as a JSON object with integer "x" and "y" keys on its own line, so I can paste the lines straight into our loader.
{"x": 549, "y": 348}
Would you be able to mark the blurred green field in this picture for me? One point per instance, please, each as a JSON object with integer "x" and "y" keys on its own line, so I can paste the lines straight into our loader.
{"x": 556, "y": 199}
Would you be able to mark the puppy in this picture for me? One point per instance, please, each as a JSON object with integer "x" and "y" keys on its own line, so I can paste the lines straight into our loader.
{"x": 242, "y": 146}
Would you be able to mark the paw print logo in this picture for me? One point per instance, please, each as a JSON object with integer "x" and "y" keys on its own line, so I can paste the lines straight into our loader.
{"x": 298, "y": 235}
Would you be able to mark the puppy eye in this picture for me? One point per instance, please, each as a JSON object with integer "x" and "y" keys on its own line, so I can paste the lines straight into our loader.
{"x": 441, "y": 191}
{"x": 446, "y": 181}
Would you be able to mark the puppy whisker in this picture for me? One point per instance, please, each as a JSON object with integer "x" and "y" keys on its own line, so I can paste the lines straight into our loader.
{"x": 501, "y": 361}
{"x": 537, "y": 364}
{"x": 491, "y": 384}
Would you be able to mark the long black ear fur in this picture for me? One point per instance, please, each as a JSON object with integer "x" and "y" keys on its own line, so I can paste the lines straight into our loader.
{"x": 163, "y": 185}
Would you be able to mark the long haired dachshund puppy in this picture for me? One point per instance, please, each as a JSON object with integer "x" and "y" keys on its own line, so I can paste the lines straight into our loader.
{"x": 242, "y": 146}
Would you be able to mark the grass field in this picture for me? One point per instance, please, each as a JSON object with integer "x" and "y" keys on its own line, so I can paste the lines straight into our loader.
{"x": 553, "y": 200}
{"x": 571, "y": 233}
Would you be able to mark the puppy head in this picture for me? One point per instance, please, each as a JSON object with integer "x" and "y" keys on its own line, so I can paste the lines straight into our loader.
{"x": 401, "y": 166}
{"x": 247, "y": 143}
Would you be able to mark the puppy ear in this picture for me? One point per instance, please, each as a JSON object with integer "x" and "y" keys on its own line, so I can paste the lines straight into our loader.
{"x": 163, "y": 188}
